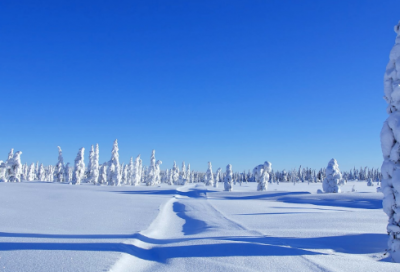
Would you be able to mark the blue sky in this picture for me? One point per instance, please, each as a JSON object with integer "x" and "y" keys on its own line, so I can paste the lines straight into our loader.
{"x": 240, "y": 82}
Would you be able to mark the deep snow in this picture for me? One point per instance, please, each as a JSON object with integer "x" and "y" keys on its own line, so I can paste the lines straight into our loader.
{"x": 58, "y": 227}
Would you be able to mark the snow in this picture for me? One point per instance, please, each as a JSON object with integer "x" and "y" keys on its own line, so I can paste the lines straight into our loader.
{"x": 390, "y": 143}
{"x": 58, "y": 227}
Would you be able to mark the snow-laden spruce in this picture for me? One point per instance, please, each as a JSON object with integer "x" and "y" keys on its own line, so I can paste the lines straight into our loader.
{"x": 332, "y": 181}
{"x": 137, "y": 171}
{"x": 217, "y": 178}
{"x": 261, "y": 175}
{"x": 228, "y": 180}
{"x": 31, "y": 173}
{"x": 390, "y": 143}
{"x": 114, "y": 168}
{"x": 152, "y": 172}
{"x": 175, "y": 173}
{"x": 93, "y": 166}
{"x": 41, "y": 173}
{"x": 14, "y": 167}
{"x": 59, "y": 170}
{"x": 209, "y": 177}
{"x": 79, "y": 167}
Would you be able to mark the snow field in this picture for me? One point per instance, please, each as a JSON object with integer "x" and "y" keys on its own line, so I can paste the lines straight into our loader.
{"x": 58, "y": 227}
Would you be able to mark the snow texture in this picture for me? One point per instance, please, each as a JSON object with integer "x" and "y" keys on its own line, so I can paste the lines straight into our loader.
{"x": 390, "y": 143}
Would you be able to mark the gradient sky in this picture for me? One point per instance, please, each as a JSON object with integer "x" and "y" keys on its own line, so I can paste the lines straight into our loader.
{"x": 240, "y": 82}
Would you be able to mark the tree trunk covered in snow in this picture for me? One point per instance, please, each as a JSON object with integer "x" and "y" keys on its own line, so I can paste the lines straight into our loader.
{"x": 390, "y": 143}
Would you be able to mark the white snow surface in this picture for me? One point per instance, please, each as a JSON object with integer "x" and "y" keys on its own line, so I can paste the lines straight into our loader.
{"x": 59, "y": 227}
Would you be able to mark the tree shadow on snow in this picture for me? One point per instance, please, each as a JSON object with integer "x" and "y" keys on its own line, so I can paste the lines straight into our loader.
{"x": 237, "y": 246}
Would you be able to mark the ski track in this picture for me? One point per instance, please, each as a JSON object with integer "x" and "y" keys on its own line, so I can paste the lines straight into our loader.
{"x": 190, "y": 213}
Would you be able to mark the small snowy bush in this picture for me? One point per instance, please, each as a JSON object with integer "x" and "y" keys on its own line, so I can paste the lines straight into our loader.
{"x": 332, "y": 181}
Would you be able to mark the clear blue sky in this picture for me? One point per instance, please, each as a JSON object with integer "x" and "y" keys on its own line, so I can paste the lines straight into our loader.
{"x": 240, "y": 82}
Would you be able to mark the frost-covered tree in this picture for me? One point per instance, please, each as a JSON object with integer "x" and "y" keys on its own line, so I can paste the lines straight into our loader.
{"x": 209, "y": 177}
{"x": 137, "y": 171}
{"x": 50, "y": 173}
{"x": 42, "y": 173}
{"x": 228, "y": 179}
{"x": 114, "y": 168}
{"x": 188, "y": 174}
{"x": 390, "y": 143}
{"x": 94, "y": 172}
{"x": 331, "y": 183}
{"x": 183, "y": 172}
{"x": 151, "y": 176}
{"x": 31, "y": 173}
{"x": 103, "y": 174}
{"x": 175, "y": 173}
{"x": 79, "y": 168}
{"x": 67, "y": 173}
{"x": 130, "y": 171}
{"x": 124, "y": 178}
{"x": 217, "y": 178}
{"x": 263, "y": 182}
{"x": 14, "y": 167}
{"x": 59, "y": 170}
{"x": 158, "y": 171}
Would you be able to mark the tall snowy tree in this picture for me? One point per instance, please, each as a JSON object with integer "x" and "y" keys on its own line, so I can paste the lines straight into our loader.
{"x": 175, "y": 173}
{"x": 209, "y": 177}
{"x": 137, "y": 171}
{"x": 331, "y": 183}
{"x": 59, "y": 170}
{"x": 79, "y": 168}
{"x": 42, "y": 173}
{"x": 390, "y": 143}
{"x": 217, "y": 177}
{"x": 158, "y": 172}
{"x": 228, "y": 179}
{"x": 152, "y": 172}
{"x": 94, "y": 172}
{"x": 114, "y": 168}
{"x": 31, "y": 173}
{"x": 188, "y": 174}
{"x": 103, "y": 174}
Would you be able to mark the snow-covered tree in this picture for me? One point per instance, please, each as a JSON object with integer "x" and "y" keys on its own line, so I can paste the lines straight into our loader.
{"x": 31, "y": 173}
{"x": 151, "y": 175}
{"x": 50, "y": 174}
{"x": 209, "y": 177}
{"x": 331, "y": 183}
{"x": 42, "y": 173}
{"x": 103, "y": 174}
{"x": 188, "y": 174}
{"x": 137, "y": 171}
{"x": 263, "y": 182}
{"x": 130, "y": 171}
{"x": 124, "y": 178}
{"x": 175, "y": 173}
{"x": 228, "y": 179}
{"x": 79, "y": 169}
{"x": 14, "y": 167}
{"x": 59, "y": 170}
{"x": 390, "y": 143}
{"x": 114, "y": 168}
{"x": 67, "y": 173}
{"x": 158, "y": 171}
{"x": 217, "y": 178}
{"x": 94, "y": 172}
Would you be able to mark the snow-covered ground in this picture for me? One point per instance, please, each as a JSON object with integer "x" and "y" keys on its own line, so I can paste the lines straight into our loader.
{"x": 58, "y": 227}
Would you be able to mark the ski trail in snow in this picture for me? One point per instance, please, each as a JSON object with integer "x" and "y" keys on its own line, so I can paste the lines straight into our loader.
{"x": 192, "y": 234}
